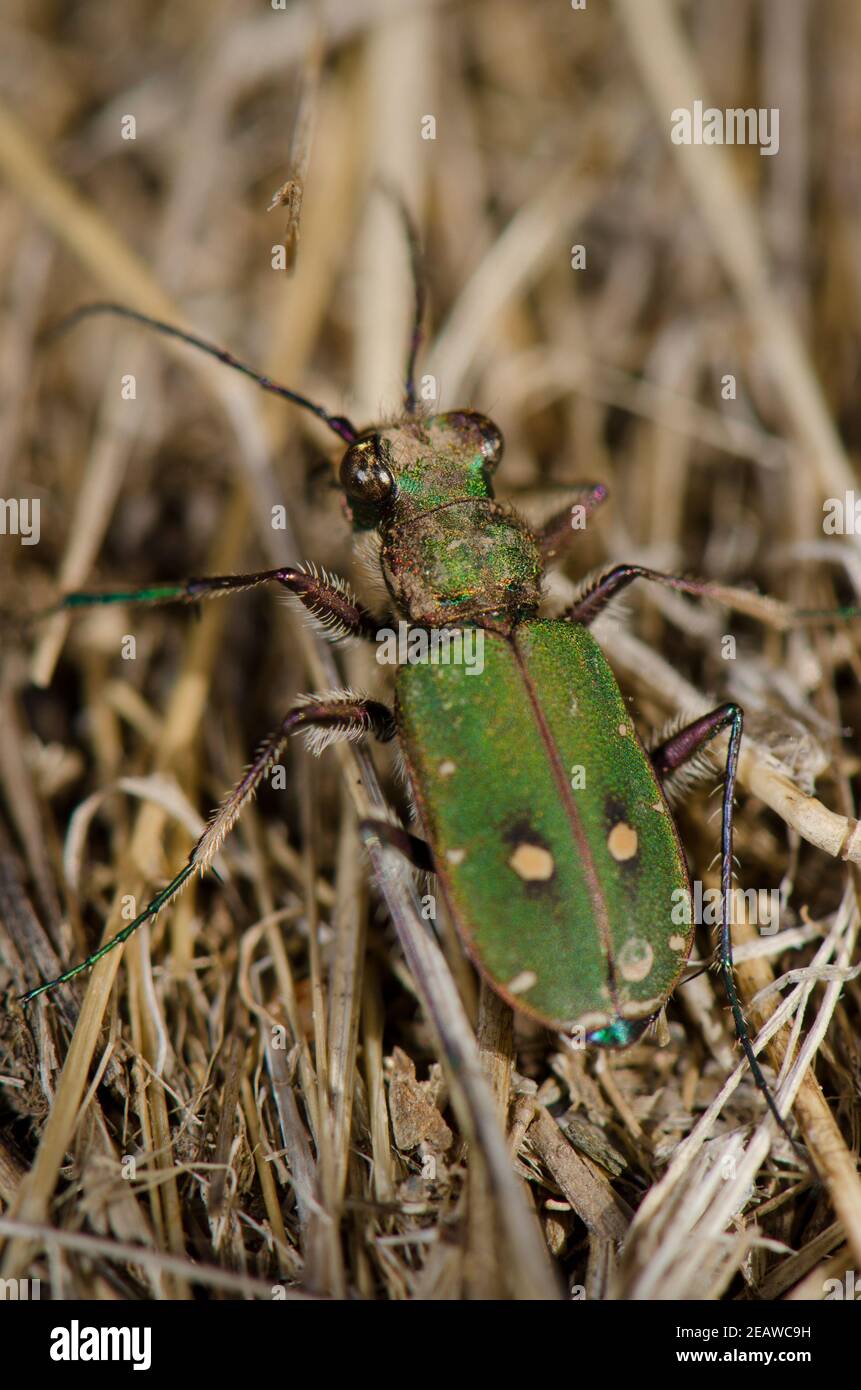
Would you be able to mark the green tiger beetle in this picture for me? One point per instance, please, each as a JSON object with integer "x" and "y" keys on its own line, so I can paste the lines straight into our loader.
{"x": 561, "y": 894}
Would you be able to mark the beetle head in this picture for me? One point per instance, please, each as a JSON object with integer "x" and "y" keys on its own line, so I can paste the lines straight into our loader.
{"x": 450, "y": 553}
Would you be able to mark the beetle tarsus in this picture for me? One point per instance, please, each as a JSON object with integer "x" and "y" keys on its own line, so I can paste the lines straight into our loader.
{"x": 667, "y": 758}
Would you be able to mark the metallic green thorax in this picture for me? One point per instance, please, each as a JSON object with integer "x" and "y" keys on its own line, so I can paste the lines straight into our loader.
{"x": 450, "y": 553}
{"x": 553, "y": 840}
{"x": 465, "y": 562}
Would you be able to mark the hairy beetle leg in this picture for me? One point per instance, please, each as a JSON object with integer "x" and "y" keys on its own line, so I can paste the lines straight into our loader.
{"x": 592, "y": 603}
{"x": 764, "y": 609}
{"x": 687, "y": 742}
{"x": 330, "y": 601}
{"x": 323, "y": 719}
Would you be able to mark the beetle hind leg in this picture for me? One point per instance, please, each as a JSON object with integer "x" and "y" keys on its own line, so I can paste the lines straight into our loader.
{"x": 680, "y": 748}
{"x": 680, "y": 757}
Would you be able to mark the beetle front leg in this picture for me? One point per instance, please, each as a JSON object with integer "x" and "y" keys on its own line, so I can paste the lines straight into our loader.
{"x": 591, "y": 604}
{"x": 329, "y": 600}
{"x": 322, "y": 719}
{"x": 560, "y": 530}
{"x": 667, "y": 758}
{"x": 762, "y": 607}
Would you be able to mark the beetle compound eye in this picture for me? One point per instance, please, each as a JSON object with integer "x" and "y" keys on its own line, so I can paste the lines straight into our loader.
{"x": 365, "y": 475}
{"x": 487, "y": 435}
{"x": 492, "y": 442}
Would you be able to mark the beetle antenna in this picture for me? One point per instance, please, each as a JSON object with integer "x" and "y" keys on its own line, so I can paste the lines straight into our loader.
{"x": 338, "y": 423}
{"x": 419, "y": 301}
{"x": 419, "y": 280}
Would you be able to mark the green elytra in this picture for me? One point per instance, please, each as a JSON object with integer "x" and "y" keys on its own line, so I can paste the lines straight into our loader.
{"x": 563, "y": 894}
{"x": 545, "y": 818}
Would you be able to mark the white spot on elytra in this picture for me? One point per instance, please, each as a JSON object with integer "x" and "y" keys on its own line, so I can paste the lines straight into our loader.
{"x": 622, "y": 841}
{"x": 455, "y": 856}
{"x": 623, "y": 730}
{"x": 532, "y": 863}
{"x": 677, "y": 943}
{"x": 635, "y": 960}
{"x": 447, "y": 767}
{"x": 522, "y": 982}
